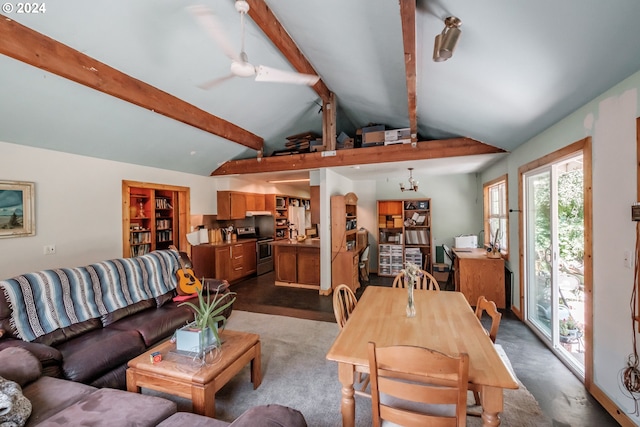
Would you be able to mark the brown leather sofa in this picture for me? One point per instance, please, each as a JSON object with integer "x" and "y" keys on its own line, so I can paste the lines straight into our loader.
{"x": 58, "y": 402}
{"x": 96, "y": 351}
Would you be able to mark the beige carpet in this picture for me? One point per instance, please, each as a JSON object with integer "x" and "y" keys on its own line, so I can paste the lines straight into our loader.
{"x": 297, "y": 374}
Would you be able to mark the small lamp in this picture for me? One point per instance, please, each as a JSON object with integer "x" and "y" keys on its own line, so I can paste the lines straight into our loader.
{"x": 446, "y": 41}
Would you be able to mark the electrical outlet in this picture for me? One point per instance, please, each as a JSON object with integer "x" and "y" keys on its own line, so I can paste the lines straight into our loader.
{"x": 49, "y": 249}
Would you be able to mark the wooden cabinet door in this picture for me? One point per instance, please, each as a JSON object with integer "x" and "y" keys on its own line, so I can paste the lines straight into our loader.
{"x": 309, "y": 266}
{"x": 238, "y": 205}
{"x": 203, "y": 260}
{"x": 260, "y": 202}
{"x": 250, "y": 202}
{"x": 223, "y": 262}
{"x": 286, "y": 268}
{"x": 314, "y": 191}
{"x": 250, "y": 257}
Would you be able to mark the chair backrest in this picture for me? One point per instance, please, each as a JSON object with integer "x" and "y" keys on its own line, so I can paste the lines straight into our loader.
{"x": 344, "y": 301}
{"x": 447, "y": 250}
{"x": 426, "y": 282}
{"x": 416, "y": 386}
{"x": 491, "y": 309}
{"x": 364, "y": 257}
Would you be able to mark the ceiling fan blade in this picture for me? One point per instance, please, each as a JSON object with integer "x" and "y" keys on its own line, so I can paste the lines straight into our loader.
{"x": 208, "y": 20}
{"x": 268, "y": 74}
{"x": 215, "y": 82}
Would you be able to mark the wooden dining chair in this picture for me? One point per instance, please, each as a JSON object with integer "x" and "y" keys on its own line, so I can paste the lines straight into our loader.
{"x": 426, "y": 282}
{"x": 417, "y": 387}
{"x": 490, "y": 307}
{"x": 484, "y": 305}
{"x": 344, "y": 301}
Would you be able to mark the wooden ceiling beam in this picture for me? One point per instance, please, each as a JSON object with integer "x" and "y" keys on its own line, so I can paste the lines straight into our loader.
{"x": 391, "y": 153}
{"x": 271, "y": 27}
{"x": 408, "y": 16}
{"x": 36, "y": 49}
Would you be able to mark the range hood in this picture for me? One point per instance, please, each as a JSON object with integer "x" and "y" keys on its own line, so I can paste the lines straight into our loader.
{"x": 258, "y": 213}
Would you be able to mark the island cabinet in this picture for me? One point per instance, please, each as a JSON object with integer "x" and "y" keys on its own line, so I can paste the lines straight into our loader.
{"x": 224, "y": 261}
{"x": 478, "y": 275}
{"x": 297, "y": 264}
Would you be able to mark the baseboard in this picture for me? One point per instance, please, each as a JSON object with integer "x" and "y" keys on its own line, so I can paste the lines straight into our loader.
{"x": 611, "y": 407}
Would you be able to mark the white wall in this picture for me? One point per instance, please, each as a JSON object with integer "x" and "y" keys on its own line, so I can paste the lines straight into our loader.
{"x": 78, "y": 206}
{"x": 611, "y": 121}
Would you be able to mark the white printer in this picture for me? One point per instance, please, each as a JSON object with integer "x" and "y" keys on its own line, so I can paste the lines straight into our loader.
{"x": 467, "y": 241}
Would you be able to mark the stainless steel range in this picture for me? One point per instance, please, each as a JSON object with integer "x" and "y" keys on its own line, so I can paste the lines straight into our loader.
{"x": 264, "y": 255}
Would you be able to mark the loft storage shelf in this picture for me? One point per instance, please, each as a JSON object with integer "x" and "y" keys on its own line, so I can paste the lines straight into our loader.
{"x": 404, "y": 234}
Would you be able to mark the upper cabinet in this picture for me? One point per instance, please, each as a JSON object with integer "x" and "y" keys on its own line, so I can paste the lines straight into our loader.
{"x": 154, "y": 216}
{"x": 231, "y": 205}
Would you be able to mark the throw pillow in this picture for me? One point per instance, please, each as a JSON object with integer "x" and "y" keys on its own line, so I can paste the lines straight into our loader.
{"x": 15, "y": 409}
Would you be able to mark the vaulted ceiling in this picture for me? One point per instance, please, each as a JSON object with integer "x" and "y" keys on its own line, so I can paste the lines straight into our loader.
{"x": 519, "y": 67}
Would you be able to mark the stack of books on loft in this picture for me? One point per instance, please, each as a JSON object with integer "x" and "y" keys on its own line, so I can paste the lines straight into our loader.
{"x": 301, "y": 142}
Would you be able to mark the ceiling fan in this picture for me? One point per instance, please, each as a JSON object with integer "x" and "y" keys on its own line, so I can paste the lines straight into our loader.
{"x": 240, "y": 65}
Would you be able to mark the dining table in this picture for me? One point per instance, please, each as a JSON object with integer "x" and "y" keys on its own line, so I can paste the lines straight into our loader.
{"x": 444, "y": 321}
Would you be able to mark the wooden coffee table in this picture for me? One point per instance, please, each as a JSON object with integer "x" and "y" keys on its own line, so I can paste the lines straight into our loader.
{"x": 180, "y": 375}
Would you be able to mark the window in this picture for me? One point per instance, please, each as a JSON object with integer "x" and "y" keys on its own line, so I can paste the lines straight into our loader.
{"x": 496, "y": 219}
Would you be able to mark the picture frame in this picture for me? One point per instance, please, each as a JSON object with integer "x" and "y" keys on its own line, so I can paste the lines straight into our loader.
{"x": 17, "y": 214}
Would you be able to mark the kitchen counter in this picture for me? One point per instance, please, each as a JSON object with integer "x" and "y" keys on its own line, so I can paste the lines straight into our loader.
{"x": 309, "y": 243}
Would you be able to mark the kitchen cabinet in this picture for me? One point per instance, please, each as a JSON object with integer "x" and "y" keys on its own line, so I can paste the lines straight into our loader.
{"x": 231, "y": 205}
{"x": 314, "y": 193}
{"x": 297, "y": 264}
{"x": 255, "y": 202}
{"x": 225, "y": 261}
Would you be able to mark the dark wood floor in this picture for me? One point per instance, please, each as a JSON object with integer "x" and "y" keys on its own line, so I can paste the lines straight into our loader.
{"x": 560, "y": 394}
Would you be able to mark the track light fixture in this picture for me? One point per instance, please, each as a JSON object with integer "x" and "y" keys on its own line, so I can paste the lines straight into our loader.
{"x": 446, "y": 41}
{"x": 413, "y": 184}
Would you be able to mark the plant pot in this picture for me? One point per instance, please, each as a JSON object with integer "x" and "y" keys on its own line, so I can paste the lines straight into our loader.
{"x": 195, "y": 341}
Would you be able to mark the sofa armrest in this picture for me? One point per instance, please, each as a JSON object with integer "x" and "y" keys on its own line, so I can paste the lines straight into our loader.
{"x": 270, "y": 416}
{"x": 19, "y": 365}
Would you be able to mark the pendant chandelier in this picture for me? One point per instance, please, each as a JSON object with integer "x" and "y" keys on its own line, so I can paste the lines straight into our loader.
{"x": 413, "y": 184}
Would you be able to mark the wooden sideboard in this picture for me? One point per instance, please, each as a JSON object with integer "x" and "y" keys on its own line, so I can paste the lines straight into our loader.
{"x": 477, "y": 275}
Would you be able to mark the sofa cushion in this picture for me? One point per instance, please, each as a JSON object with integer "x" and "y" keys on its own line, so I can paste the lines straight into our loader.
{"x": 91, "y": 355}
{"x": 270, "y": 416}
{"x": 121, "y": 313}
{"x": 49, "y": 395}
{"x": 157, "y": 323}
{"x": 65, "y": 334}
{"x": 49, "y": 357}
{"x": 19, "y": 365}
{"x": 108, "y": 407}
{"x": 115, "y": 378}
{"x": 182, "y": 419}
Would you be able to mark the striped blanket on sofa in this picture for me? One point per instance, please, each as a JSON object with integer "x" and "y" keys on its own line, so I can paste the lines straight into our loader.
{"x": 47, "y": 300}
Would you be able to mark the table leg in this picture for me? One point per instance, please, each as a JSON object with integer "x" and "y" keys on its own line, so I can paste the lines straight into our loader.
{"x": 347, "y": 404}
{"x": 203, "y": 399}
{"x": 256, "y": 366}
{"x": 492, "y": 406}
{"x": 131, "y": 381}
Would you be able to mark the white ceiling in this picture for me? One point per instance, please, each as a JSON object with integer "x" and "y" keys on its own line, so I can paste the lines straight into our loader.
{"x": 519, "y": 67}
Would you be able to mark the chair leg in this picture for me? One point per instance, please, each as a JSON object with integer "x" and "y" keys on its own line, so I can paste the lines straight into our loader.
{"x": 476, "y": 396}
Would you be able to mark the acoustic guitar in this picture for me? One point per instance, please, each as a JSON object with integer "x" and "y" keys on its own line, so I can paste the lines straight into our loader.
{"x": 188, "y": 284}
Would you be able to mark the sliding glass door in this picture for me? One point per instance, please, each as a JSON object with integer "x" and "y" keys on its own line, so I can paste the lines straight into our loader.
{"x": 554, "y": 255}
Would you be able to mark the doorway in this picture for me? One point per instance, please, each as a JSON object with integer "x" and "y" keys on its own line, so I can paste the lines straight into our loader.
{"x": 555, "y": 236}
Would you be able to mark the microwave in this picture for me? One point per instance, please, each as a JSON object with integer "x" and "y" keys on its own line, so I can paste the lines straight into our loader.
{"x": 281, "y": 203}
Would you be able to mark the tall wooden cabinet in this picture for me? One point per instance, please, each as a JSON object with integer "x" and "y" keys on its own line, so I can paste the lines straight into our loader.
{"x": 345, "y": 254}
{"x": 404, "y": 234}
{"x": 154, "y": 216}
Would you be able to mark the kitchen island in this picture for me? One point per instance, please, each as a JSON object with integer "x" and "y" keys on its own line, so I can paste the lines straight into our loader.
{"x": 297, "y": 264}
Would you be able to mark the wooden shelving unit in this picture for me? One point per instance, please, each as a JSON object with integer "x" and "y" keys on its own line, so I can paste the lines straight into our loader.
{"x": 279, "y": 205}
{"x": 345, "y": 253}
{"x": 154, "y": 216}
{"x": 404, "y": 234}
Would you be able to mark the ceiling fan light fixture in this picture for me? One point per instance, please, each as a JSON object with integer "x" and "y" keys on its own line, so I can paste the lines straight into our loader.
{"x": 446, "y": 42}
{"x": 413, "y": 184}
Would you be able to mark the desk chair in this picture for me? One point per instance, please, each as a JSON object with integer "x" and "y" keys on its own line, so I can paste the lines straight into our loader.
{"x": 416, "y": 387}
{"x": 364, "y": 265}
{"x": 451, "y": 279}
{"x": 490, "y": 307}
{"x": 344, "y": 301}
{"x": 426, "y": 282}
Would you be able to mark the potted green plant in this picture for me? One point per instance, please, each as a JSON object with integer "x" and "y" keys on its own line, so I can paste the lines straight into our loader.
{"x": 569, "y": 329}
{"x": 202, "y": 333}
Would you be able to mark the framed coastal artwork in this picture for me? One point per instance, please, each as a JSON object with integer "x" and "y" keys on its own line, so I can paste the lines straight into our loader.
{"x": 17, "y": 217}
